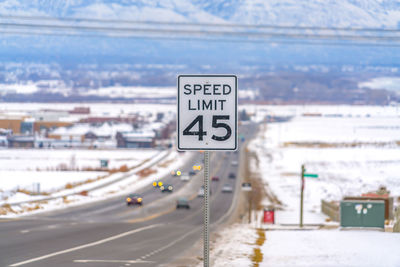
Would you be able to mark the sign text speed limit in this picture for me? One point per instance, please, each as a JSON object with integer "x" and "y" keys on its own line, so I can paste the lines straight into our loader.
{"x": 207, "y": 112}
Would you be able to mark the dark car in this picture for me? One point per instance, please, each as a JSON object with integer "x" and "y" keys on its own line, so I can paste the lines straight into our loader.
{"x": 215, "y": 178}
{"x": 134, "y": 199}
{"x": 191, "y": 173}
{"x": 166, "y": 188}
{"x": 183, "y": 203}
{"x": 232, "y": 175}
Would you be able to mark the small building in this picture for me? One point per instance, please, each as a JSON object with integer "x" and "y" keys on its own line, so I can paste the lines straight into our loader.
{"x": 136, "y": 139}
{"x": 17, "y": 141}
{"x": 80, "y": 110}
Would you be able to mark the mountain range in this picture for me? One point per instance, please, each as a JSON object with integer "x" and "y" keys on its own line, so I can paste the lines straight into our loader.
{"x": 148, "y": 59}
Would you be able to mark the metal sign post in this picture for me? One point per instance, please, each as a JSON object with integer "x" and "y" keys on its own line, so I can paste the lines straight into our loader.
{"x": 304, "y": 174}
{"x": 206, "y": 231}
{"x": 207, "y": 120}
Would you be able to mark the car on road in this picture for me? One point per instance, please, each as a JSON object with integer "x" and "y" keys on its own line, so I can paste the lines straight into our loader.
{"x": 166, "y": 188}
{"x": 183, "y": 203}
{"x": 185, "y": 177}
{"x": 191, "y": 173}
{"x": 200, "y": 193}
{"x": 232, "y": 175}
{"x": 215, "y": 178}
{"x": 134, "y": 199}
{"x": 234, "y": 163}
{"x": 227, "y": 188}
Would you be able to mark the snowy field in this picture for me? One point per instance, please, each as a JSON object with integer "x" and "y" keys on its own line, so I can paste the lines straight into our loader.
{"x": 24, "y": 169}
{"x": 96, "y": 109}
{"x": 114, "y": 185}
{"x": 353, "y": 150}
{"x": 330, "y": 248}
{"x": 50, "y": 159}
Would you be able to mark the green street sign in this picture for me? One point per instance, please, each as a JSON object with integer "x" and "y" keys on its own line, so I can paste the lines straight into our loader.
{"x": 311, "y": 175}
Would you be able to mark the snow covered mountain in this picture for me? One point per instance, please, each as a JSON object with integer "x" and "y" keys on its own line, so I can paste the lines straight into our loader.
{"x": 64, "y": 49}
{"x": 329, "y": 13}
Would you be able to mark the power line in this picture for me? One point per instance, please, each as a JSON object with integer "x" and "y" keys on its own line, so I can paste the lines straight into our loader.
{"x": 217, "y": 40}
{"x": 200, "y": 24}
{"x": 135, "y": 30}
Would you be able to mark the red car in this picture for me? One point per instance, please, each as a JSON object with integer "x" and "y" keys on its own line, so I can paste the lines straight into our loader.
{"x": 215, "y": 178}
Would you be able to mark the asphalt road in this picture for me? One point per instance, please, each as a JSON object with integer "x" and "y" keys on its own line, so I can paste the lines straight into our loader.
{"x": 109, "y": 233}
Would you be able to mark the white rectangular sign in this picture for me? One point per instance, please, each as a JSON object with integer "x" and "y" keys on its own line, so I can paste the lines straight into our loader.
{"x": 207, "y": 112}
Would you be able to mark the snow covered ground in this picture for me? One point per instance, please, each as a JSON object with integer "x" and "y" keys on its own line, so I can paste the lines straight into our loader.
{"x": 353, "y": 150}
{"x": 50, "y": 159}
{"x": 233, "y": 246}
{"x": 330, "y": 248}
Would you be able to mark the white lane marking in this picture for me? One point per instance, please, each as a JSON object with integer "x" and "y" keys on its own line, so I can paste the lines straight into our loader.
{"x": 170, "y": 244}
{"x": 41, "y": 228}
{"x": 127, "y": 262}
{"x": 86, "y": 245}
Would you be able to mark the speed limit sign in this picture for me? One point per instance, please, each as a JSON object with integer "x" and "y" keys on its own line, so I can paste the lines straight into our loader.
{"x": 207, "y": 112}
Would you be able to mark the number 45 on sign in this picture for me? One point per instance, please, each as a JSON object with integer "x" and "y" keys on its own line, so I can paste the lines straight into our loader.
{"x": 207, "y": 112}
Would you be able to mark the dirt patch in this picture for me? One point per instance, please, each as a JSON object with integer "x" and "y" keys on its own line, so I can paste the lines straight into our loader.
{"x": 145, "y": 172}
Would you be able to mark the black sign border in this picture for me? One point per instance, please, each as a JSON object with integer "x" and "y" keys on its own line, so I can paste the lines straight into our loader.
{"x": 236, "y": 114}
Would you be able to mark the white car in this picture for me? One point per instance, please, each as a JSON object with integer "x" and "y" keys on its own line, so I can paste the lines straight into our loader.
{"x": 227, "y": 188}
{"x": 234, "y": 163}
{"x": 185, "y": 177}
{"x": 201, "y": 192}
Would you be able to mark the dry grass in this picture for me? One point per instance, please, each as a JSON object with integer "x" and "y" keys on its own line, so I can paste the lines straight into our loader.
{"x": 145, "y": 172}
{"x": 257, "y": 256}
{"x": 261, "y": 237}
{"x": 5, "y": 209}
{"x": 25, "y": 191}
{"x": 165, "y": 163}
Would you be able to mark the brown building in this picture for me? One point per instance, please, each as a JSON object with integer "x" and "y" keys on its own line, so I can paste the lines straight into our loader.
{"x": 12, "y": 124}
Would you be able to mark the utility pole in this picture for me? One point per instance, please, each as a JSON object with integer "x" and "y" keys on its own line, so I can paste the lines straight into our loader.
{"x": 302, "y": 194}
{"x": 249, "y": 198}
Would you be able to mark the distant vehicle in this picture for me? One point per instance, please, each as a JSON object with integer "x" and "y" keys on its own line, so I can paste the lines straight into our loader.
{"x": 234, "y": 163}
{"x": 183, "y": 203}
{"x": 167, "y": 188}
{"x": 232, "y": 175}
{"x": 134, "y": 199}
{"x": 215, "y": 178}
{"x": 200, "y": 193}
{"x": 191, "y": 173}
{"x": 227, "y": 188}
{"x": 157, "y": 184}
{"x": 185, "y": 177}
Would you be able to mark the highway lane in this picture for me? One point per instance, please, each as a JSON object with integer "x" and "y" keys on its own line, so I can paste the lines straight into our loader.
{"x": 173, "y": 232}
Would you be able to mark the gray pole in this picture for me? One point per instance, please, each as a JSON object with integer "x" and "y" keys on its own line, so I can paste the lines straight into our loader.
{"x": 206, "y": 209}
